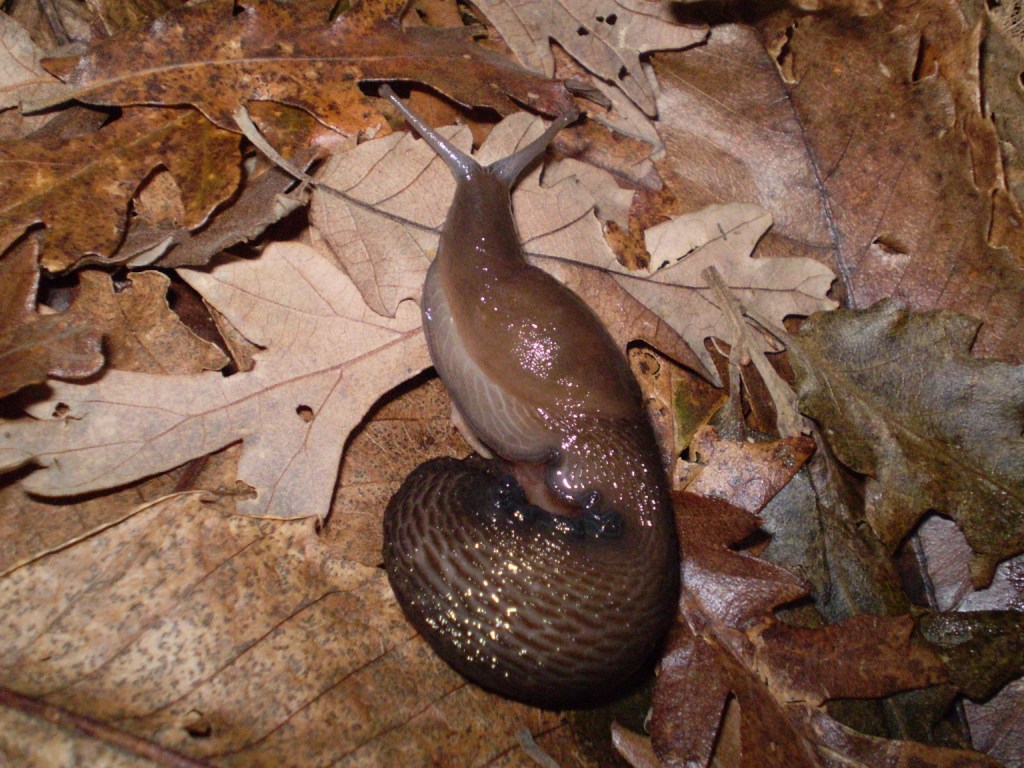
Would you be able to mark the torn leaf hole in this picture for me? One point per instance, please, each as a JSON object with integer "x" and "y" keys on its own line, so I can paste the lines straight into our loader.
{"x": 305, "y": 413}
{"x": 623, "y": 73}
{"x": 199, "y": 730}
{"x": 926, "y": 63}
{"x": 61, "y": 410}
{"x": 200, "y": 726}
{"x": 889, "y": 246}
{"x": 781, "y": 49}
{"x": 582, "y": 31}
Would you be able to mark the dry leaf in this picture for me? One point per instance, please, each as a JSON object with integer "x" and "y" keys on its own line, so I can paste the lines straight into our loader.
{"x": 118, "y": 15}
{"x": 984, "y": 650}
{"x": 907, "y": 160}
{"x": 80, "y": 188}
{"x": 727, "y": 644}
{"x": 20, "y": 75}
{"x": 218, "y": 59}
{"x": 261, "y": 202}
{"x": 395, "y": 439}
{"x": 607, "y": 38}
{"x": 33, "y": 740}
{"x": 946, "y": 557}
{"x": 748, "y": 475}
{"x": 997, "y": 727}
{"x": 255, "y": 645}
{"x": 730, "y": 134}
{"x": 724, "y": 237}
{"x": 327, "y": 359}
{"x": 35, "y": 346}
{"x": 392, "y": 195}
{"x": 140, "y": 331}
{"x": 902, "y": 401}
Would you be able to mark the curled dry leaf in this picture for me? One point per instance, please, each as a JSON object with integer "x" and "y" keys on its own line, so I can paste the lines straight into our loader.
{"x": 902, "y": 401}
{"x": 261, "y": 202}
{"x": 80, "y": 188}
{"x": 35, "y": 346}
{"x": 327, "y": 359}
{"x": 727, "y": 644}
{"x": 605, "y": 37}
{"x": 747, "y": 475}
{"x": 391, "y": 196}
{"x": 218, "y": 59}
{"x": 140, "y": 331}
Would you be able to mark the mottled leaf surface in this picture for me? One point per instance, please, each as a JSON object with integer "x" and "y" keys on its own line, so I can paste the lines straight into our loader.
{"x": 902, "y": 401}
{"x": 327, "y": 359}
{"x": 80, "y": 188}
{"x": 210, "y": 56}
{"x": 34, "y": 346}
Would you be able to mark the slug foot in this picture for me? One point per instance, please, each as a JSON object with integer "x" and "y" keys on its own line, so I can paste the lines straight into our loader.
{"x": 535, "y": 605}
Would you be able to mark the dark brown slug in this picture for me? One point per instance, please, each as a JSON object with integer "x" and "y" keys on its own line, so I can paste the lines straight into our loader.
{"x": 548, "y": 576}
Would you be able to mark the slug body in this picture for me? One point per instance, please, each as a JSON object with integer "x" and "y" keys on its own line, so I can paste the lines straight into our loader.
{"x": 550, "y": 575}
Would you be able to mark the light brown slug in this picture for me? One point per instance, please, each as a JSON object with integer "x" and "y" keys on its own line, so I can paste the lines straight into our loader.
{"x": 548, "y": 576}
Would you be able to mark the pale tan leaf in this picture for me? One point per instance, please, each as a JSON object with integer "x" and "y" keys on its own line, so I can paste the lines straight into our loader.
{"x": 382, "y": 233}
{"x": 394, "y": 194}
{"x": 605, "y": 37}
{"x": 611, "y": 202}
{"x": 20, "y": 72}
{"x": 723, "y": 237}
{"x": 327, "y": 359}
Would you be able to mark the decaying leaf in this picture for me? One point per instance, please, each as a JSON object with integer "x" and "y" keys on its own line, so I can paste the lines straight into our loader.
{"x": 218, "y": 59}
{"x": 742, "y": 142}
{"x": 255, "y": 644}
{"x": 327, "y": 359}
{"x": 140, "y": 331}
{"x": 984, "y": 650}
{"x": 606, "y": 37}
{"x": 80, "y": 188}
{"x": 34, "y": 346}
{"x": 914, "y": 197}
{"x": 261, "y": 202}
{"x": 728, "y": 645}
{"x": 747, "y": 474}
{"x": 903, "y": 402}
{"x": 20, "y": 74}
{"x": 394, "y": 194}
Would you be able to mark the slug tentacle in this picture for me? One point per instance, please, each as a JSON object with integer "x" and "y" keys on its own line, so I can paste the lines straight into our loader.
{"x": 461, "y": 164}
{"x": 551, "y": 574}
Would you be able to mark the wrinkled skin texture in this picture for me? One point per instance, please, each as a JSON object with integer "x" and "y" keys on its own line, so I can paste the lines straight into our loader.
{"x": 550, "y": 575}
